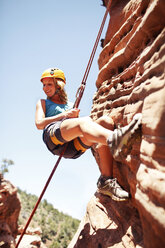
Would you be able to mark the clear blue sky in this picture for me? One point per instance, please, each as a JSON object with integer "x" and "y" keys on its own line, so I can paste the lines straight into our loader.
{"x": 35, "y": 35}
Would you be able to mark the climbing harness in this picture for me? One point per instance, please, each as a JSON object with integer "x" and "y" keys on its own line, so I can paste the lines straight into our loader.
{"x": 79, "y": 95}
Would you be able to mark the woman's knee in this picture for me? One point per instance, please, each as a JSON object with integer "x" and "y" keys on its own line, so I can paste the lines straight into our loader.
{"x": 106, "y": 121}
{"x": 84, "y": 120}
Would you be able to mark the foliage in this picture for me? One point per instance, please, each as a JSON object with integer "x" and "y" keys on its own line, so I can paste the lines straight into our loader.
{"x": 57, "y": 228}
{"x": 4, "y": 166}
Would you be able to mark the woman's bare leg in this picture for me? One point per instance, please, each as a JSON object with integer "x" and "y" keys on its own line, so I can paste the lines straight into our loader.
{"x": 91, "y": 133}
{"x": 104, "y": 156}
{"x": 99, "y": 133}
{"x": 104, "y": 160}
{"x": 106, "y": 184}
{"x": 85, "y": 128}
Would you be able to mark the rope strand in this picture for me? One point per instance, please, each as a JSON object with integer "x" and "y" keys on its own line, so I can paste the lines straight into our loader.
{"x": 83, "y": 83}
{"x": 41, "y": 195}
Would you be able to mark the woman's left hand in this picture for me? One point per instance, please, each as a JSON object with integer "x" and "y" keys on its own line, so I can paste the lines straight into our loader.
{"x": 72, "y": 113}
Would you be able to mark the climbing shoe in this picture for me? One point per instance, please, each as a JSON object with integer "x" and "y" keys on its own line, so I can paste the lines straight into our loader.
{"x": 110, "y": 187}
{"x": 120, "y": 142}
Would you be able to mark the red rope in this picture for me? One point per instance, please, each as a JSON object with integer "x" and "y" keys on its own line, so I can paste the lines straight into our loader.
{"x": 76, "y": 104}
{"x": 39, "y": 199}
{"x": 83, "y": 83}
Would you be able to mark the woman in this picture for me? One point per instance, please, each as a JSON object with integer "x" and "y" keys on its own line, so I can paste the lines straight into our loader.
{"x": 62, "y": 125}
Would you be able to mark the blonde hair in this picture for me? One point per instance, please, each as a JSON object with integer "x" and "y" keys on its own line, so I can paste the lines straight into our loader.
{"x": 59, "y": 84}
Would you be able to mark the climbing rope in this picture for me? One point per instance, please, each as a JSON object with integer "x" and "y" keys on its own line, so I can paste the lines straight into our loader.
{"x": 79, "y": 95}
{"x": 83, "y": 83}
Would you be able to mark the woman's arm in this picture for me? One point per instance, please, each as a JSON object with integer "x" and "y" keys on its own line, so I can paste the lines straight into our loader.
{"x": 41, "y": 121}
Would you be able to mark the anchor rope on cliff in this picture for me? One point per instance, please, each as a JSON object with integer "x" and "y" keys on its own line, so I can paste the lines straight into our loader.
{"x": 79, "y": 95}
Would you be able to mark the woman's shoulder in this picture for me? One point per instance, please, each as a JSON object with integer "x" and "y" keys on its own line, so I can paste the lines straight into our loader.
{"x": 41, "y": 102}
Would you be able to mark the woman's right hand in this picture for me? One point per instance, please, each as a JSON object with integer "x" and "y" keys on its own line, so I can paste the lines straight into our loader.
{"x": 72, "y": 113}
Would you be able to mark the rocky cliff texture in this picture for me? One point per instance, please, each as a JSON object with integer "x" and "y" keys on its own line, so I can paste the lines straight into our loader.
{"x": 10, "y": 207}
{"x": 31, "y": 239}
{"x": 131, "y": 79}
{"x": 9, "y": 212}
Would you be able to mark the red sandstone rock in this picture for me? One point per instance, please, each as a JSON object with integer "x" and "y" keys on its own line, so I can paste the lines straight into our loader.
{"x": 108, "y": 224}
{"x": 9, "y": 212}
{"x": 30, "y": 230}
{"x": 31, "y": 238}
{"x": 30, "y": 241}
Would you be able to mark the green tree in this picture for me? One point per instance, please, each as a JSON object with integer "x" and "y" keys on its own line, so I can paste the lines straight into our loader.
{"x": 4, "y": 166}
{"x": 57, "y": 228}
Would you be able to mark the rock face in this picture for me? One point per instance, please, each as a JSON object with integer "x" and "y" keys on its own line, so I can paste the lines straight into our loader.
{"x": 109, "y": 224}
{"x": 10, "y": 207}
{"x": 31, "y": 239}
{"x": 9, "y": 212}
{"x": 131, "y": 79}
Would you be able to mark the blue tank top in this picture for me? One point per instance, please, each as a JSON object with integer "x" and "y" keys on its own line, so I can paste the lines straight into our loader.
{"x": 55, "y": 109}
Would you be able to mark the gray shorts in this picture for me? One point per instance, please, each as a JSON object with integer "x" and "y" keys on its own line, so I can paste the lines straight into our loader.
{"x": 55, "y": 143}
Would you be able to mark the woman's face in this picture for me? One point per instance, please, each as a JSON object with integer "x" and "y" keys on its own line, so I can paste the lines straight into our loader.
{"x": 49, "y": 86}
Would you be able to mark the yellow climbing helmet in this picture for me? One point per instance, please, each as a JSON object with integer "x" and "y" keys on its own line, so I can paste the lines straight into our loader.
{"x": 53, "y": 73}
